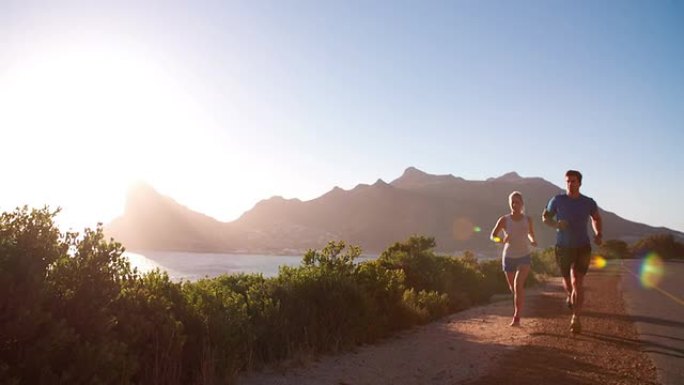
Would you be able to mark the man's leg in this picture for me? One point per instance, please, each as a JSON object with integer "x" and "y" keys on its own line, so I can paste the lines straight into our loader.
{"x": 578, "y": 271}
{"x": 567, "y": 285}
{"x": 564, "y": 261}
{"x": 577, "y": 282}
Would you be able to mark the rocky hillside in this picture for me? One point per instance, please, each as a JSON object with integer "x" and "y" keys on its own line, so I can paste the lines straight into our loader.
{"x": 459, "y": 213}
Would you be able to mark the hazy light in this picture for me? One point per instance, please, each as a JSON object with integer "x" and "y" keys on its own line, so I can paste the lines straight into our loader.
{"x": 652, "y": 270}
{"x": 598, "y": 262}
{"x": 83, "y": 121}
{"x": 462, "y": 228}
{"x": 142, "y": 263}
{"x": 477, "y": 229}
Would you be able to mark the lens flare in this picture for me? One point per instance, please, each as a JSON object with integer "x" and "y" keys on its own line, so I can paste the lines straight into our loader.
{"x": 462, "y": 229}
{"x": 477, "y": 229}
{"x": 598, "y": 262}
{"x": 652, "y": 270}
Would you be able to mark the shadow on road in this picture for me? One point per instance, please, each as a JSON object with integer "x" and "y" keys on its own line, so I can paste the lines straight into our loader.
{"x": 637, "y": 318}
{"x": 545, "y": 365}
{"x": 645, "y": 345}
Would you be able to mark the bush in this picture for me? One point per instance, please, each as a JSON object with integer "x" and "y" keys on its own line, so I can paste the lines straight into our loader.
{"x": 614, "y": 249}
{"x": 426, "y": 305}
{"x": 460, "y": 278}
{"x": 384, "y": 291}
{"x": 664, "y": 245}
{"x": 496, "y": 279}
{"x": 154, "y": 320}
{"x": 61, "y": 301}
{"x": 73, "y": 310}
{"x": 544, "y": 263}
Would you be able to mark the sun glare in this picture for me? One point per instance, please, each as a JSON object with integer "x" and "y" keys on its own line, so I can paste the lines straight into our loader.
{"x": 80, "y": 123}
{"x": 652, "y": 270}
{"x": 598, "y": 262}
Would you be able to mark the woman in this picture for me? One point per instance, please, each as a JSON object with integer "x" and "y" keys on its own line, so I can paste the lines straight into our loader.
{"x": 518, "y": 235}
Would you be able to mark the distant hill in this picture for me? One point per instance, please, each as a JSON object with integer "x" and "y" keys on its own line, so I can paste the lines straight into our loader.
{"x": 457, "y": 212}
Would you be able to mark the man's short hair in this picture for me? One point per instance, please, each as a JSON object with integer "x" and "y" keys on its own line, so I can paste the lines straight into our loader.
{"x": 574, "y": 173}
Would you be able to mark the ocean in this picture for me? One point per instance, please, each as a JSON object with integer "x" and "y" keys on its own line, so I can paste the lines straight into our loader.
{"x": 194, "y": 266}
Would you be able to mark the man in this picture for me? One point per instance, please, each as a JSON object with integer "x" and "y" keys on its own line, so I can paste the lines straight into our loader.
{"x": 572, "y": 211}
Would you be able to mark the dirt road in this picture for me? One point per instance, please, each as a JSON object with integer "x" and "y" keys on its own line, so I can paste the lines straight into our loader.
{"x": 478, "y": 347}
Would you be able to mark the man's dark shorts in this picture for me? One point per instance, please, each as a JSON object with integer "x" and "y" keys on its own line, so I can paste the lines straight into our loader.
{"x": 566, "y": 257}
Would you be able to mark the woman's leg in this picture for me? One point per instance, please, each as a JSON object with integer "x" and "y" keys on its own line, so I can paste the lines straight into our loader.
{"x": 510, "y": 278}
{"x": 519, "y": 286}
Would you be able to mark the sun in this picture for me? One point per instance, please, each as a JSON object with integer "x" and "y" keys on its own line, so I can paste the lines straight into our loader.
{"x": 81, "y": 122}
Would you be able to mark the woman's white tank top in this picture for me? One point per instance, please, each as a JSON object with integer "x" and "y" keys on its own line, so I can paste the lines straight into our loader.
{"x": 518, "y": 243}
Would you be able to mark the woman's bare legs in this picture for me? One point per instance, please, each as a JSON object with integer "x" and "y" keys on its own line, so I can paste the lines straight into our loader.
{"x": 516, "y": 283}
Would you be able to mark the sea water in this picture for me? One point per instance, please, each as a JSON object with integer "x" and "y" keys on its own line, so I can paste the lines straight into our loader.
{"x": 193, "y": 266}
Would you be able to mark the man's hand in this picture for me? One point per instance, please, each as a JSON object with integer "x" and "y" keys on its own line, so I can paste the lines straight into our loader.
{"x": 597, "y": 224}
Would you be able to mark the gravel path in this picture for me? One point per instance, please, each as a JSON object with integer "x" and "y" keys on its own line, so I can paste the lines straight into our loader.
{"x": 477, "y": 347}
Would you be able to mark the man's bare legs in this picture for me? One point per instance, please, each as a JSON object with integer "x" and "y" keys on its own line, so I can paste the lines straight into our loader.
{"x": 577, "y": 291}
{"x": 577, "y": 281}
{"x": 567, "y": 285}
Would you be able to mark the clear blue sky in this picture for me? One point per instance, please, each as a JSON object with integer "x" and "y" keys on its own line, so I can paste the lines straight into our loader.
{"x": 221, "y": 104}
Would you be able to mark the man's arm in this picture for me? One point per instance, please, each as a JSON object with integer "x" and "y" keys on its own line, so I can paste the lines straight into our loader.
{"x": 597, "y": 225}
{"x": 548, "y": 219}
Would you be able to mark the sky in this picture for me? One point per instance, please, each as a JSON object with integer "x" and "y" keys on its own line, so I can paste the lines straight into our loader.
{"x": 221, "y": 104}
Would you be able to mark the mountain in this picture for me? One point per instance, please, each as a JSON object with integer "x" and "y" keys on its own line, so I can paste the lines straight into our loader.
{"x": 152, "y": 221}
{"x": 457, "y": 212}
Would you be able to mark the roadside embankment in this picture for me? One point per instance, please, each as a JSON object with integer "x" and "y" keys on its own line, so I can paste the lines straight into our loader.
{"x": 478, "y": 347}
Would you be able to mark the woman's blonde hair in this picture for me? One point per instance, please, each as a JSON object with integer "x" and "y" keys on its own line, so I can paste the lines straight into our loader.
{"x": 518, "y": 194}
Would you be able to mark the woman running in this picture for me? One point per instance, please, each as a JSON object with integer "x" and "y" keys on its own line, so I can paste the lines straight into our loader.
{"x": 518, "y": 234}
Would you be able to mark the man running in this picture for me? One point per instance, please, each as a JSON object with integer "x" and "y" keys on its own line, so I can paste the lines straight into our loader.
{"x": 572, "y": 211}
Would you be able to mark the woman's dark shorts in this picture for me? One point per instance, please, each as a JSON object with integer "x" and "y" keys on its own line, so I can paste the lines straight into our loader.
{"x": 511, "y": 265}
{"x": 580, "y": 257}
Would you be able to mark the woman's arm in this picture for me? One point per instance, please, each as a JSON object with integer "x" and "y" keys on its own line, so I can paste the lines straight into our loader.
{"x": 494, "y": 236}
{"x": 530, "y": 232}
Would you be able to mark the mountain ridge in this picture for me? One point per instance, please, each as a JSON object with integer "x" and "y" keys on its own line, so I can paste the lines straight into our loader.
{"x": 457, "y": 212}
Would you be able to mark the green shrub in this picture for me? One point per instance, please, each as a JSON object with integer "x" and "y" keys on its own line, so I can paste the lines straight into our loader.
{"x": 383, "y": 290}
{"x": 544, "y": 263}
{"x": 61, "y": 303}
{"x": 664, "y": 245}
{"x": 426, "y": 306}
{"x": 460, "y": 278}
{"x": 75, "y": 312}
{"x": 614, "y": 249}
{"x": 496, "y": 278}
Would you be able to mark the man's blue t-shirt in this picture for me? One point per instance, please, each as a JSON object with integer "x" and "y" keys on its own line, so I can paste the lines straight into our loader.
{"x": 575, "y": 211}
